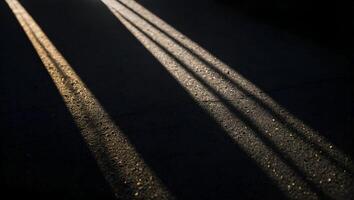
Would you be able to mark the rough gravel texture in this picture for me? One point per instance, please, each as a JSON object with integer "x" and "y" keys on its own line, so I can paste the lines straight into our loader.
{"x": 163, "y": 100}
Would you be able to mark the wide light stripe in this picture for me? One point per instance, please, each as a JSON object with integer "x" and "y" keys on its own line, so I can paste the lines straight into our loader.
{"x": 266, "y": 123}
{"x": 122, "y": 166}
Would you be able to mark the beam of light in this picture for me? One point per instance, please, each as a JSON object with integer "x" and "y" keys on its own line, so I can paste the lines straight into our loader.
{"x": 291, "y": 153}
{"x": 246, "y": 87}
{"x": 122, "y": 167}
{"x": 240, "y": 83}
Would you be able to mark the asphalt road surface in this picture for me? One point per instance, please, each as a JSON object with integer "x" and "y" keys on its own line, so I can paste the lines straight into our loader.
{"x": 120, "y": 99}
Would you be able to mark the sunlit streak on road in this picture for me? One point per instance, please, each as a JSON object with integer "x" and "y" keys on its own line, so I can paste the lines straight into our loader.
{"x": 122, "y": 167}
{"x": 291, "y": 153}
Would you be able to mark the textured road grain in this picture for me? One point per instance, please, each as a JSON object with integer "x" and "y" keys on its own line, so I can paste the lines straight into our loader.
{"x": 159, "y": 116}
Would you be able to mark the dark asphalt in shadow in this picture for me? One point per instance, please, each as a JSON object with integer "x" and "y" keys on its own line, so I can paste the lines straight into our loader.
{"x": 187, "y": 150}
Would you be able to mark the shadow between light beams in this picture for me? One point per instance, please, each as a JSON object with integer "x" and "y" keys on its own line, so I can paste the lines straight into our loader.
{"x": 291, "y": 153}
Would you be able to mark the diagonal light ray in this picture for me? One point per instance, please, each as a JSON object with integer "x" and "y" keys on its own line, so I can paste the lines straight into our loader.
{"x": 260, "y": 153}
{"x": 319, "y": 170}
{"x": 248, "y": 89}
{"x": 122, "y": 167}
{"x": 242, "y": 84}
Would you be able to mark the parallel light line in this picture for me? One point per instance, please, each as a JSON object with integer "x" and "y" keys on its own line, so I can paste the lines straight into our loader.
{"x": 121, "y": 165}
{"x": 238, "y": 82}
{"x": 258, "y": 150}
{"x": 268, "y": 140}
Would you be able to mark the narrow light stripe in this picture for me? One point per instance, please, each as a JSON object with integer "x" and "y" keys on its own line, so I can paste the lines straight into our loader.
{"x": 267, "y": 132}
{"x": 248, "y": 89}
